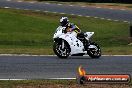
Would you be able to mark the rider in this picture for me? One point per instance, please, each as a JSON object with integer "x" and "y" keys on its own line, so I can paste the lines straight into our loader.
{"x": 69, "y": 27}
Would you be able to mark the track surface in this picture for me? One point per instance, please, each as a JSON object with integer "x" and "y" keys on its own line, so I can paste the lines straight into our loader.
{"x": 123, "y": 15}
{"x": 42, "y": 67}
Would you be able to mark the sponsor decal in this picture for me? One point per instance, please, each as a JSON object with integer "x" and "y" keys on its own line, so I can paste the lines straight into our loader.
{"x": 101, "y": 78}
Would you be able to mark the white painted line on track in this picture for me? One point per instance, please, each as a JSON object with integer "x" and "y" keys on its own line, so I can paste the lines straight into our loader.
{"x": 122, "y": 9}
{"x": 117, "y": 55}
{"x": 125, "y": 21}
{"x": 54, "y": 12}
{"x": 17, "y": 8}
{"x": 62, "y": 78}
{"x": 98, "y": 7}
{"x": 112, "y": 55}
{"x": 47, "y": 3}
{"x": 26, "y": 9}
{"x": 83, "y": 6}
{"x": 87, "y": 16}
{"x": 19, "y": 1}
{"x": 31, "y": 2}
{"x": 116, "y": 20}
{"x": 110, "y": 8}
{"x": 37, "y": 10}
{"x": 80, "y": 15}
{"x": 33, "y": 79}
{"x": 8, "y": 0}
{"x": 102, "y": 18}
{"x": 46, "y": 11}
{"x": 6, "y": 7}
{"x": 23, "y": 55}
{"x": 62, "y": 13}
{"x": 48, "y": 55}
{"x": 59, "y": 4}
{"x": 109, "y": 19}
{"x": 71, "y": 5}
{"x": 13, "y": 79}
{"x": 96, "y": 17}
{"x": 72, "y": 14}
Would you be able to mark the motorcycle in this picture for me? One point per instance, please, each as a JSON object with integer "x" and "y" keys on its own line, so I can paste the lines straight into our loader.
{"x": 67, "y": 44}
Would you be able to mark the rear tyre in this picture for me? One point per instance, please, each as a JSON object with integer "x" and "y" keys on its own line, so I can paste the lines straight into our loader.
{"x": 61, "y": 53}
{"x": 94, "y": 50}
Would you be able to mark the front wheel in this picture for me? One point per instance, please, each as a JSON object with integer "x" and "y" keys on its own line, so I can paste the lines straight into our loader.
{"x": 61, "y": 49}
{"x": 94, "y": 50}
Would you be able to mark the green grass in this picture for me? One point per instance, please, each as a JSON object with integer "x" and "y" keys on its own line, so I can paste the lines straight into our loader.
{"x": 129, "y": 6}
{"x": 30, "y": 32}
{"x": 34, "y": 83}
{"x": 56, "y": 84}
{"x": 19, "y": 29}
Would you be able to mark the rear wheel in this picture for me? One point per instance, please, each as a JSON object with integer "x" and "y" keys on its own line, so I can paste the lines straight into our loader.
{"x": 94, "y": 50}
{"x": 61, "y": 49}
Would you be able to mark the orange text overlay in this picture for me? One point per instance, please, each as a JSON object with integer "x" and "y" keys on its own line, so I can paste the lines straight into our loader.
{"x": 107, "y": 78}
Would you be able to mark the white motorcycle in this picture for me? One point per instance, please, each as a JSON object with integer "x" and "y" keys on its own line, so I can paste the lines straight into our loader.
{"x": 66, "y": 44}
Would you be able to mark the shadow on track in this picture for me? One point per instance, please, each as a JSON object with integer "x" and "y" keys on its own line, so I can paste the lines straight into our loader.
{"x": 78, "y": 57}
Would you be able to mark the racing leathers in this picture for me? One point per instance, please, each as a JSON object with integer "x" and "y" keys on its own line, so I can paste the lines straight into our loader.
{"x": 70, "y": 27}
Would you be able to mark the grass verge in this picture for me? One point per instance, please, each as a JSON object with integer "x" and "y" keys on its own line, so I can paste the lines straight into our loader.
{"x": 30, "y": 32}
{"x": 56, "y": 84}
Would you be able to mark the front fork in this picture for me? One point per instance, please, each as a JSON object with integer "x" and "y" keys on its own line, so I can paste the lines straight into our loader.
{"x": 61, "y": 43}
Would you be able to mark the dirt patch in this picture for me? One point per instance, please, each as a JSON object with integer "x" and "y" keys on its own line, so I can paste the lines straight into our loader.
{"x": 77, "y": 86}
{"x": 112, "y": 6}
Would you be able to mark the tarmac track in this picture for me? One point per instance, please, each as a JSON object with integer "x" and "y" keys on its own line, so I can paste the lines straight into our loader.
{"x": 43, "y": 67}
{"x": 103, "y": 13}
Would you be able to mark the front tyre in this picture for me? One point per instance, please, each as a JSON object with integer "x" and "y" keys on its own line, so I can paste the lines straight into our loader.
{"x": 61, "y": 52}
{"x": 94, "y": 50}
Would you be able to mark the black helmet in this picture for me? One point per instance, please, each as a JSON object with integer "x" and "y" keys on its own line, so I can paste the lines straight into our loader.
{"x": 64, "y": 21}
